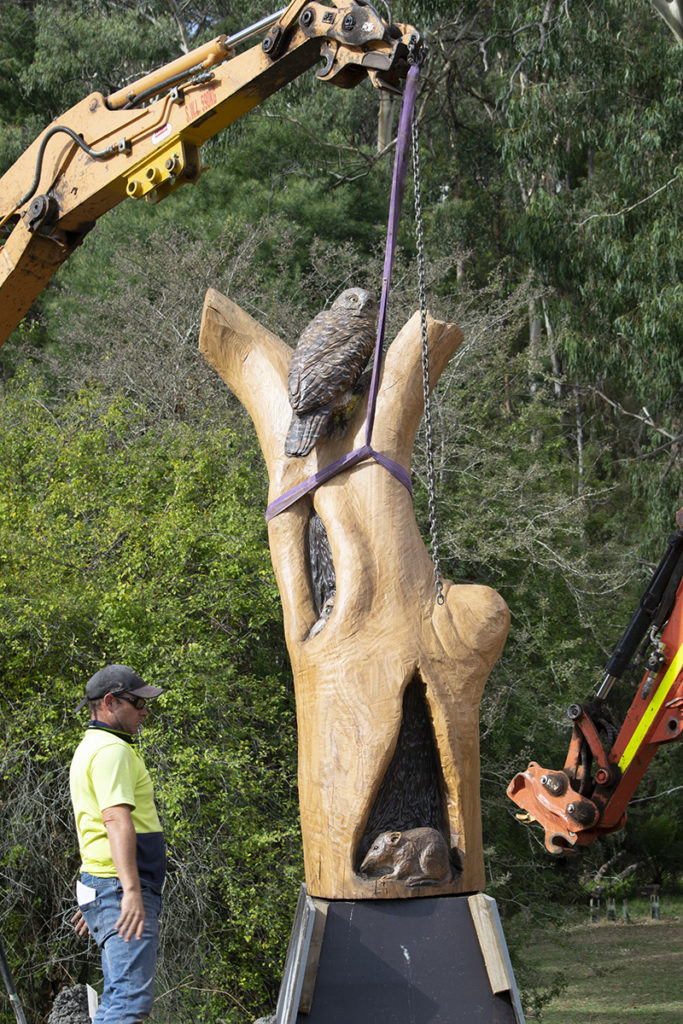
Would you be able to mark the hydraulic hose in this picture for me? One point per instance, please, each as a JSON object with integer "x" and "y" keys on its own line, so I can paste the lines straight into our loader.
{"x": 98, "y": 154}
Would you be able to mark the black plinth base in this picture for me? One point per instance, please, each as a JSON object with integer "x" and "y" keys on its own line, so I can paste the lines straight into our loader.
{"x": 437, "y": 960}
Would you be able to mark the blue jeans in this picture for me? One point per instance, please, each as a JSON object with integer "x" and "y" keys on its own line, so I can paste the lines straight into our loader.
{"x": 128, "y": 967}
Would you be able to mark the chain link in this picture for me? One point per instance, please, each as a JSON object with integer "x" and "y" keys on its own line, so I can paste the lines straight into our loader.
{"x": 431, "y": 481}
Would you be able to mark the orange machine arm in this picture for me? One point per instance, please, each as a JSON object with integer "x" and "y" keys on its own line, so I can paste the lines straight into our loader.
{"x": 589, "y": 796}
{"x": 144, "y": 141}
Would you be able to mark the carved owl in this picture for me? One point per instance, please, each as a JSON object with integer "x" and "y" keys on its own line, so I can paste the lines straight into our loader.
{"x": 330, "y": 356}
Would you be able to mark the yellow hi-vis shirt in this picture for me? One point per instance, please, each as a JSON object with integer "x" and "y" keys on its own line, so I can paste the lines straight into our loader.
{"x": 107, "y": 770}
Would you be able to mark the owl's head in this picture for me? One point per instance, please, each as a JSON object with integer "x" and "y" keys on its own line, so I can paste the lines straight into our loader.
{"x": 356, "y": 300}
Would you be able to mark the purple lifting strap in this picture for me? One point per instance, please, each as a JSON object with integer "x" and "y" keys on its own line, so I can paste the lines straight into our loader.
{"x": 366, "y": 451}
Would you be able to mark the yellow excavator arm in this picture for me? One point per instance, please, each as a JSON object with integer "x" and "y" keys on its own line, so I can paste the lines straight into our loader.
{"x": 143, "y": 142}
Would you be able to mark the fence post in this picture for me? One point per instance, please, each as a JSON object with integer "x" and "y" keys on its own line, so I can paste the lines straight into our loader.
{"x": 654, "y": 906}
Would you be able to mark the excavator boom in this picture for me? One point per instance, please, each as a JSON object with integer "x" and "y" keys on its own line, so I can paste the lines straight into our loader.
{"x": 143, "y": 141}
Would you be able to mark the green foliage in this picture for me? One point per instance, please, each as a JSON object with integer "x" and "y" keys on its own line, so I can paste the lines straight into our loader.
{"x": 130, "y": 542}
{"x": 81, "y": 47}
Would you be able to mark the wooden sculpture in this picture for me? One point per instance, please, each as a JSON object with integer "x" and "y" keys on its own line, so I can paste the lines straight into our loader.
{"x": 387, "y": 681}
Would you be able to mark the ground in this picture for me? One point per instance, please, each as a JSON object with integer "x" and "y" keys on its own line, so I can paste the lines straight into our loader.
{"x": 615, "y": 973}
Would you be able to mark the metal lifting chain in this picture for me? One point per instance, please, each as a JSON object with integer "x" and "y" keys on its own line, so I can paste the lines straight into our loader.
{"x": 431, "y": 483}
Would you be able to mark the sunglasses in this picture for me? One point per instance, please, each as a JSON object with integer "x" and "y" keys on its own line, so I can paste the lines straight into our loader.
{"x": 138, "y": 702}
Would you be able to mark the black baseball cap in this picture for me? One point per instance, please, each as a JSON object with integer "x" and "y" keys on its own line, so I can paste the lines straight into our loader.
{"x": 117, "y": 679}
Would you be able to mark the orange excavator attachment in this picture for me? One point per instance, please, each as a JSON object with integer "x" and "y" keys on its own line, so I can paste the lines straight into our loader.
{"x": 604, "y": 764}
{"x": 547, "y": 797}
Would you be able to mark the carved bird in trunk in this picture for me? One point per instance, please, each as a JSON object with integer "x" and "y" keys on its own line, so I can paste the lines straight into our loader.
{"x": 330, "y": 356}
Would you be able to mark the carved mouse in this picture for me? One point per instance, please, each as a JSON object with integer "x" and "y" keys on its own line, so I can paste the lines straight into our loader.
{"x": 418, "y": 856}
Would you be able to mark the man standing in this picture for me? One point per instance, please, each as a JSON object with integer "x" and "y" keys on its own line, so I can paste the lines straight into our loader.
{"x": 123, "y": 855}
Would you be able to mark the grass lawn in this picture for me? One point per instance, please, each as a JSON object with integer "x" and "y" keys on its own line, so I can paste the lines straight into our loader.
{"x": 615, "y": 973}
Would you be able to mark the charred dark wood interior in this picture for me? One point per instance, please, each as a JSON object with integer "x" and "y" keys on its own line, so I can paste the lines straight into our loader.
{"x": 321, "y": 566}
{"x": 411, "y": 794}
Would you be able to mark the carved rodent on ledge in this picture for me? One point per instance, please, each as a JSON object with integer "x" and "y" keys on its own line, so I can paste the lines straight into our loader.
{"x": 418, "y": 856}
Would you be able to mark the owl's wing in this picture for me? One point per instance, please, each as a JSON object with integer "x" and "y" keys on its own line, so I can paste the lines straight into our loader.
{"x": 305, "y": 430}
{"x": 328, "y": 359}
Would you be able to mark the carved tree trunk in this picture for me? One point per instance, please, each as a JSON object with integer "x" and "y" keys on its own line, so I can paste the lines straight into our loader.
{"x": 388, "y": 692}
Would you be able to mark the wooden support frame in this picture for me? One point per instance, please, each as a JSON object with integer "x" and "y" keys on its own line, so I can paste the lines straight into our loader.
{"x": 386, "y": 629}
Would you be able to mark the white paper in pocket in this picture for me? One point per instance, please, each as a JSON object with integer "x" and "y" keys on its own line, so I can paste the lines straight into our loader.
{"x": 84, "y": 894}
{"x": 92, "y": 996}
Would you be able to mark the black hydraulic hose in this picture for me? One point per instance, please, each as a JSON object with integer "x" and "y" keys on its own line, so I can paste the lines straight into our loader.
{"x": 98, "y": 154}
{"x": 9, "y": 985}
{"x": 160, "y": 87}
{"x": 655, "y": 605}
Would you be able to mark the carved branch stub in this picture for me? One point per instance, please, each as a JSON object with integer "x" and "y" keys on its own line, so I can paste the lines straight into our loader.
{"x": 388, "y": 683}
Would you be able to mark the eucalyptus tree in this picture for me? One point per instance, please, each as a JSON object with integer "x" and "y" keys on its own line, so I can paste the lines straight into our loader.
{"x": 553, "y": 139}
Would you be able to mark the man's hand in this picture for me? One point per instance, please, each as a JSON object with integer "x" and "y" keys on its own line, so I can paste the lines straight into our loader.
{"x": 80, "y": 927}
{"x": 132, "y": 917}
{"x": 122, "y": 840}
